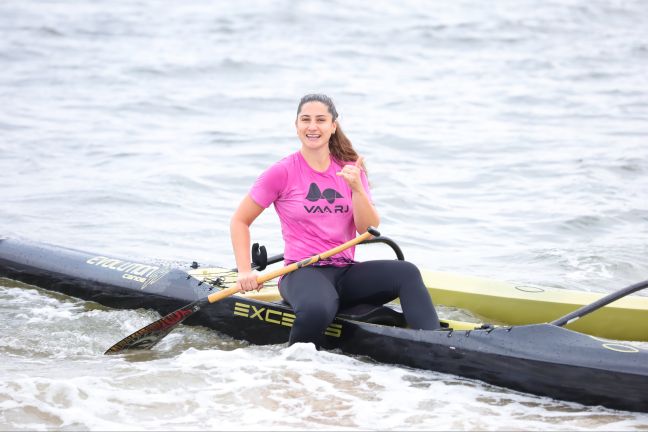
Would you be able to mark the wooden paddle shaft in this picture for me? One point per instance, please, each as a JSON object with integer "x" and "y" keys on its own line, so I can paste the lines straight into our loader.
{"x": 219, "y": 295}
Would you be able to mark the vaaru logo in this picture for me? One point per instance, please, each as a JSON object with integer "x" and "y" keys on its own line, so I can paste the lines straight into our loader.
{"x": 330, "y": 195}
{"x": 327, "y": 209}
{"x": 273, "y": 316}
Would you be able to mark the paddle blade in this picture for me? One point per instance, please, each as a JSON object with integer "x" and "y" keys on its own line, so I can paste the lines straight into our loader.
{"x": 147, "y": 337}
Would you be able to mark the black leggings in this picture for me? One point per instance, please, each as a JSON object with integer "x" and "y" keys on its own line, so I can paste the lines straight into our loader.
{"x": 316, "y": 294}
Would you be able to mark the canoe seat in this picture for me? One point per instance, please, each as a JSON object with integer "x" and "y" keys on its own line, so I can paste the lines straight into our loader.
{"x": 383, "y": 315}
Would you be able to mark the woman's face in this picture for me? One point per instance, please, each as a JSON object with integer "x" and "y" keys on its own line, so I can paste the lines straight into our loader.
{"x": 315, "y": 125}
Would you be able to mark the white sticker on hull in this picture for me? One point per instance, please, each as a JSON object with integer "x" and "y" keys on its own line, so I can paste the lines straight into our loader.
{"x": 142, "y": 273}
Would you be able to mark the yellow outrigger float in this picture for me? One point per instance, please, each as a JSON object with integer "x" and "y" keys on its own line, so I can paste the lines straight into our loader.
{"x": 506, "y": 303}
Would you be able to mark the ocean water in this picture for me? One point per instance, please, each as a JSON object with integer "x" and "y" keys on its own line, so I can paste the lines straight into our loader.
{"x": 506, "y": 140}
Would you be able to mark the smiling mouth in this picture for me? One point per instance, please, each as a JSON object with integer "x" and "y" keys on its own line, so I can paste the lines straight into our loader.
{"x": 313, "y": 137}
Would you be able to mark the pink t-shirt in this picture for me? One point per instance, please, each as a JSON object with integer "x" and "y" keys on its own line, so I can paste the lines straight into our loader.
{"x": 315, "y": 208}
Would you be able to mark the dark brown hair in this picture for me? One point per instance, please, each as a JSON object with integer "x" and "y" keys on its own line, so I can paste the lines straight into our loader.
{"x": 339, "y": 145}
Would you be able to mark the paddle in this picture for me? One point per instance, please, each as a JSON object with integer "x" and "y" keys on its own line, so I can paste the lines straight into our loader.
{"x": 148, "y": 336}
{"x": 587, "y": 309}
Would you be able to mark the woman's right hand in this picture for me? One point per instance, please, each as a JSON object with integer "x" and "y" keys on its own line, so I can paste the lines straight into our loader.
{"x": 247, "y": 281}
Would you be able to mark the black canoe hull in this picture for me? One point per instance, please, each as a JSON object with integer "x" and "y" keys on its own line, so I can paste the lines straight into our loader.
{"x": 541, "y": 359}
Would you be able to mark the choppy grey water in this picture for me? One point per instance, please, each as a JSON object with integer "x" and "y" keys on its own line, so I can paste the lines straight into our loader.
{"x": 505, "y": 139}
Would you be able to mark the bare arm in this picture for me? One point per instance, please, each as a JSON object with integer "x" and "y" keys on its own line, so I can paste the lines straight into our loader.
{"x": 364, "y": 212}
{"x": 242, "y": 218}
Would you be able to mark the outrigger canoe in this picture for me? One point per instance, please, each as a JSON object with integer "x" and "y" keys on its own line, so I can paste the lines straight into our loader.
{"x": 543, "y": 359}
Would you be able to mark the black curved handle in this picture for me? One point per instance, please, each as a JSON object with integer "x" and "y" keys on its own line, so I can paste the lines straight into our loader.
{"x": 389, "y": 242}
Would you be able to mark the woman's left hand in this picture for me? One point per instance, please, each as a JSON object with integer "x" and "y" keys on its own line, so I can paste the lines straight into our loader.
{"x": 351, "y": 174}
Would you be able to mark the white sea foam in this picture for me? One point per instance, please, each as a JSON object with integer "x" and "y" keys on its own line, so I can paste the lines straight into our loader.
{"x": 283, "y": 388}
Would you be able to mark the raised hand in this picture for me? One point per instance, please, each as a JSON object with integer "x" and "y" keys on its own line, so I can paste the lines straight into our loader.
{"x": 351, "y": 174}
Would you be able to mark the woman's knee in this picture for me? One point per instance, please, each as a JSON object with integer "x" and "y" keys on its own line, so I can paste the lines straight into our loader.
{"x": 404, "y": 273}
{"x": 408, "y": 268}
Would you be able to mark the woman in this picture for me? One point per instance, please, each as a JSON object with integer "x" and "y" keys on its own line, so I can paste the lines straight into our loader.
{"x": 322, "y": 198}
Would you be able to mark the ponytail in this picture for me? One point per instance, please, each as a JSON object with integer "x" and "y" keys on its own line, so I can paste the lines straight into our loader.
{"x": 341, "y": 148}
